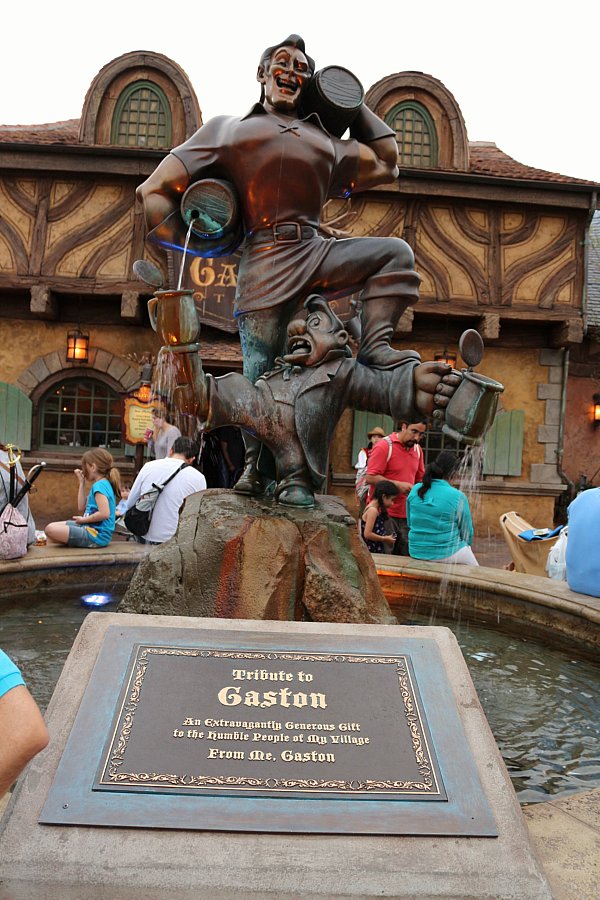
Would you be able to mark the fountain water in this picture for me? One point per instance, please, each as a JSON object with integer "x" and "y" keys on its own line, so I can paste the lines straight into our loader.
{"x": 544, "y": 717}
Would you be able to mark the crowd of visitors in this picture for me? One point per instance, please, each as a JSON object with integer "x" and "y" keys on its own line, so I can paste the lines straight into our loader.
{"x": 413, "y": 510}
{"x": 404, "y": 507}
{"x": 398, "y": 458}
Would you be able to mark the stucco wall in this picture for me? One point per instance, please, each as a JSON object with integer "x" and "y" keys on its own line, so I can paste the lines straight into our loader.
{"x": 582, "y": 440}
{"x": 24, "y": 341}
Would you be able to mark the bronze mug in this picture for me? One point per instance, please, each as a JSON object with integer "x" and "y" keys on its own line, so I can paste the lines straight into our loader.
{"x": 174, "y": 317}
{"x": 472, "y": 408}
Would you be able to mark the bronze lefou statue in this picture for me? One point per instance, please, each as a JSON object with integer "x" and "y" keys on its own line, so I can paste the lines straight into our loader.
{"x": 294, "y": 408}
{"x": 284, "y": 166}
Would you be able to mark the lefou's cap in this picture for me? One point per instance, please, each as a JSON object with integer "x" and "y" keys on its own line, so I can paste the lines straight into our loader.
{"x": 379, "y": 431}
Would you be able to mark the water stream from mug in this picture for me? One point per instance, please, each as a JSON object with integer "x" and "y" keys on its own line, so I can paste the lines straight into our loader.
{"x": 184, "y": 254}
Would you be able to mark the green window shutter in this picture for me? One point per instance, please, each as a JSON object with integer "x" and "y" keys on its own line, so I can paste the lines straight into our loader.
{"x": 15, "y": 416}
{"x": 363, "y": 422}
{"x": 504, "y": 444}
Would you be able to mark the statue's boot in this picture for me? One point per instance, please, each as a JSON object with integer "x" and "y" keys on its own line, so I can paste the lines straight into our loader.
{"x": 251, "y": 481}
{"x": 383, "y": 302}
{"x": 295, "y": 489}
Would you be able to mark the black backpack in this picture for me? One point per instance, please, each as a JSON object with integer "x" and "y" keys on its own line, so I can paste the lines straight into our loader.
{"x": 137, "y": 519}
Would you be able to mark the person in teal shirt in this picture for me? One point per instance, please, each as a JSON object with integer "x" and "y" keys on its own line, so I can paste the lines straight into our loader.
{"x": 96, "y": 526}
{"x": 23, "y": 732}
{"x": 440, "y": 527}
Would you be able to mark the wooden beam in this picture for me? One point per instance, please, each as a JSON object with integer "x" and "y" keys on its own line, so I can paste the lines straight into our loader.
{"x": 43, "y": 303}
{"x": 131, "y": 307}
{"x": 72, "y": 285}
{"x": 474, "y": 189}
{"x": 489, "y": 326}
{"x": 405, "y": 322}
{"x": 80, "y": 161}
{"x": 567, "y": 332}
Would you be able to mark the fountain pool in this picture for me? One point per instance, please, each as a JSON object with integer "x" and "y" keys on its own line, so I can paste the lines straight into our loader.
{"x": 543, "y": 704}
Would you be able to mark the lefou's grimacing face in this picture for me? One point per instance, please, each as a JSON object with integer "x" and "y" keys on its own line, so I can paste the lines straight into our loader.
{"x": 311, "y": 339}
{"x": 286, "y": 75}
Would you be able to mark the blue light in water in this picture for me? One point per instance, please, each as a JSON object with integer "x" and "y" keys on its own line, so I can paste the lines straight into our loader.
{"x": 96, "y": 599}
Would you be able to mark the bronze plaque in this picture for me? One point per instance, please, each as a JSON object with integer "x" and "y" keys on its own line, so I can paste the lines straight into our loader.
{"x": 195, "y": 719}
{"x": 259, "y": 726}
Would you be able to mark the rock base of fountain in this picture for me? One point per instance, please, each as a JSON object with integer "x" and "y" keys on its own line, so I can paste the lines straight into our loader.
{"x": 239, "y": 557}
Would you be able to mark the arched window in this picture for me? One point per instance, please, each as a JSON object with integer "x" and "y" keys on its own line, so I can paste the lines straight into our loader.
{"x": 142, "y": 117}
{"x": 415, "y": 133}
{"x": 80, "y": 412}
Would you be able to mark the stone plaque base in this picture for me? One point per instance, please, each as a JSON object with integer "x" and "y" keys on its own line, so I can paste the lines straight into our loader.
{"x": 423, "y": 808}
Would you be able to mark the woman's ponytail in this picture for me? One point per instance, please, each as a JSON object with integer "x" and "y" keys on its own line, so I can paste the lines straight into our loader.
{"x": 442, "y": 467}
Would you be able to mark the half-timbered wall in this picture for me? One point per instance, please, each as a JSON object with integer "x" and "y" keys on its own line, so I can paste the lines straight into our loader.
{"x": 505, "y": 259}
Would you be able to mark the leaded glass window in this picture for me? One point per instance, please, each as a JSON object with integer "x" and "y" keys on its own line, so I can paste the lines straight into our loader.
{"x": 415, "y": 134}
{"x": 80, "y": 413}
{"x": 434, "y": 441}
{"x": 142, "y": 117}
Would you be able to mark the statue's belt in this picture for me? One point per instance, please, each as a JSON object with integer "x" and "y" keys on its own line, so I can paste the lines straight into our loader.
{"x": 283, "y": 233}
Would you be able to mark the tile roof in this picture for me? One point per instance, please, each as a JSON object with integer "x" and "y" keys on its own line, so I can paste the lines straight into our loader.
{"x": 66, "y": 132}
{"x": 485, "y": 158}
{"x": 218, "y": 347}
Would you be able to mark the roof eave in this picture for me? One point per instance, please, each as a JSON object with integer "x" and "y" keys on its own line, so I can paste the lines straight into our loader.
{"x": 499, "y": 180}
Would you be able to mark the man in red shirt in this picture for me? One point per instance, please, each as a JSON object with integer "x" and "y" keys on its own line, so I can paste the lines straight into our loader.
{"x": 398, "y": 458}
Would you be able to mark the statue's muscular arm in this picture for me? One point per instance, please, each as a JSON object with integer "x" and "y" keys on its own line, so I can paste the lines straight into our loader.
{"x": 161, "y": 192}
{"x": 377, "y": 162}
{"x": 378, "y": 150}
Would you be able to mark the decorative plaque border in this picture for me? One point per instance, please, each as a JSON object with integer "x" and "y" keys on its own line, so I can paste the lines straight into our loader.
{"x": 111, "y": 771}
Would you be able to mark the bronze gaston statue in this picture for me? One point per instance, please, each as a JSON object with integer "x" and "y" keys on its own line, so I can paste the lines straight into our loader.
{"x": 284, "y": 166}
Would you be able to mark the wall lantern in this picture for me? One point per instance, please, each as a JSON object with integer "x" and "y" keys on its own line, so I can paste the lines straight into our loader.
{"x": 144, "y": 392}
{"x": 596, "y": 410}
{"x": 78, "y": 345}
{"x": 445, "y": 356}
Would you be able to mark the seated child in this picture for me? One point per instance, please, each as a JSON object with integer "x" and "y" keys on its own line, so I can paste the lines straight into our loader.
{"x": 96, "y": 526}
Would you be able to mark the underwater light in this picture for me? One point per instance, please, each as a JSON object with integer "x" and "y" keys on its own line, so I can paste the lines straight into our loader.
{"x": 96, "y": 599}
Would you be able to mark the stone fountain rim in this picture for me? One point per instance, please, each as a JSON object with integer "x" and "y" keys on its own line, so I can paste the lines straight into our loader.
{"x": 546, "y": 606}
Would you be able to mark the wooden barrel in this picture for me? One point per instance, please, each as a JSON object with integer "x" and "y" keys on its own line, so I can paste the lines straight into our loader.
{"x": 211, "y": 207}
{"x": 336, "y": 95}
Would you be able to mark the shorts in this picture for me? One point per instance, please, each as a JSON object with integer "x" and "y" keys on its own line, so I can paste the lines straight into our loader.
{"x": 80, "y": 537}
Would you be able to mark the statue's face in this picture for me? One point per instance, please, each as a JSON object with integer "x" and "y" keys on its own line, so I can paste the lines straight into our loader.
{"x": 311, "y": 339}
{"x": 284, "y": 78}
